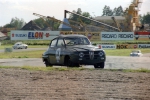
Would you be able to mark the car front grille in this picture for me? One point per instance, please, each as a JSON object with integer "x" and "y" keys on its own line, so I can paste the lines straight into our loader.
{"x": 93, "y": 55}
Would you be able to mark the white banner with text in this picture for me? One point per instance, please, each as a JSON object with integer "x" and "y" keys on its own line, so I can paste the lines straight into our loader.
{"x": 144, "y": 46}
{"x": 117, "y": 36}
{"x": 33, "y": 35}
{"x": 106, "y": 46}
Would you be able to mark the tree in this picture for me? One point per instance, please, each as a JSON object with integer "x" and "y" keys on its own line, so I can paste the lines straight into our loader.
{"x": 40, "y": 22}
{"x": 44, "y": 23}
{"x": 110, "y": 12}
{"x": 145, "y": 19}
{"x": 115, "y": 12}
{"x": 15, "y": 23}
{"x": 86, "y": 14}
{"x": 119, "y": 11}
{"x": 140, "y": 18}
{"x": 78, "y": 18}
{"x": 79, "y": 11}
{"x": 107, "y": 11}
{"x": 73, "y": 17}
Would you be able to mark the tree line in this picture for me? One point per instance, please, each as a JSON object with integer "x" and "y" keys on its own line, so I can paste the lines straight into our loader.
{"x": 107, "y": 11}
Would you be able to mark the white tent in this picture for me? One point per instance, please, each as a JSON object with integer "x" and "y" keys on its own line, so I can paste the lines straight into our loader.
{"x": 2, "y": 36}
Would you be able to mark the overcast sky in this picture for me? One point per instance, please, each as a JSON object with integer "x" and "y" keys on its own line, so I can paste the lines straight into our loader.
{"x": 25, "y": 8}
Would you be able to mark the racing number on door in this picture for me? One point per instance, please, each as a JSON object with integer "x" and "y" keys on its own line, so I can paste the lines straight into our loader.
{"x": 58, "y": 52}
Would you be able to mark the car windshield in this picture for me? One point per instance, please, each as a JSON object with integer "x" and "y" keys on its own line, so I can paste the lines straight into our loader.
{"x": 135, "y": 51}
{"x": 76, "y": 41}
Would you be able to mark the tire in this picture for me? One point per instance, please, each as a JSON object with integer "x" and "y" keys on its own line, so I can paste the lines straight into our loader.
{"x": 99, "y": 65}
{"x": 68, "y": 63}
{"x": 26, "y": 47}
{"x": 47, "y": 64}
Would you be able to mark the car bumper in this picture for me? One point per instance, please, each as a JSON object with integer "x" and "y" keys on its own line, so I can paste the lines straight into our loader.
{"x": 134, "y": 55}
{"x": 88, "y": 61}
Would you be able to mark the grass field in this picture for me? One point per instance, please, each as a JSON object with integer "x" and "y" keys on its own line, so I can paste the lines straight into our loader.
{"x": 38, "y": 53}
{"x": 124, "y": 52}
{"x": 24, "y": 54}
{"x": 74, "y": 68}
{"x": 30, "y": 46}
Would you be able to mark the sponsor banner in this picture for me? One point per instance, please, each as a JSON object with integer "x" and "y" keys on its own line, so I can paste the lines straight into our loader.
{"x": 127, "y": 46}
{"x": 92, "y": 36}
{"x": 117, "y": 35}
{"x": 143, "y": 45}
{"x": 103, "y": 46}
{"x": 33, "y": 35}
{"x": 142, "y": 35}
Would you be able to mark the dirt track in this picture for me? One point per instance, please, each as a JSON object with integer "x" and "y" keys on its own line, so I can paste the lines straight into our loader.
{"x": 19, "y": 84}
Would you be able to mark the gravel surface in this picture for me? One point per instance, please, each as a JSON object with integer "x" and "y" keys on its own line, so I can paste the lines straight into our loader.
{"x": 19, "y": 84}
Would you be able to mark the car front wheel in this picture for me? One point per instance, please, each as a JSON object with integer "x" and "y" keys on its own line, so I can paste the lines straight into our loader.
{"x": 68, "y": 62}
{"x": 99, "y": 65}
{"x": 47, "y": 63}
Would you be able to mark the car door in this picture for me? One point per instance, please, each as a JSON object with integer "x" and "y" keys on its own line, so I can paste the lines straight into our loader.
{"x": 60, "y": 48}
{"x": 18, "y": 46}
{"x": 52, "y": 51}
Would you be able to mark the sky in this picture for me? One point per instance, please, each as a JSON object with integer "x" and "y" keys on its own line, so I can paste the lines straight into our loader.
{"x": 25, "y": 8}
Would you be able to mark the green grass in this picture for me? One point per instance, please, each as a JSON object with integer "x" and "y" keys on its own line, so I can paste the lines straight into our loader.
{"x": 123, "y": 52}
{"x": 24, "y": 54}
{"x": 29, "y": 46}
{"x": 29, "y": 68}
{"x": 137, "y": 70}
{"x": 37, "y": 46}
{"x": 38, "y": 53}
{"x": 5, "y": 46}
{"x": 51, "y": 68}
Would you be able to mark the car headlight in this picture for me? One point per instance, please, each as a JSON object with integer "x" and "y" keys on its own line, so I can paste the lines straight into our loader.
{"x": 81, "y": 54}
{"x": 101, "y": 53}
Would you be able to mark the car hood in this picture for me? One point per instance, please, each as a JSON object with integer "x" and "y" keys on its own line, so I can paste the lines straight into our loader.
{"x": 134, "y": 53}
{"x": 85, "y": 48}
{"x": 24, "y": 44}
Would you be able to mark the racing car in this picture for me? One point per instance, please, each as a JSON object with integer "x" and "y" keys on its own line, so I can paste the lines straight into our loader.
{"x": 73, "y": 51}
{"x": 20, "y": 45}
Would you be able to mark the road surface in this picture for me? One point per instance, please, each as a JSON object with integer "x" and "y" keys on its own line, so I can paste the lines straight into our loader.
{"x": 112, "y": 62}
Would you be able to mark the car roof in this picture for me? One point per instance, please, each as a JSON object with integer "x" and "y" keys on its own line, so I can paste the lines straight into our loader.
{"x": 18, "y": 42}
{"x": 136, "y": 50}
{"x": 71, "y": 35}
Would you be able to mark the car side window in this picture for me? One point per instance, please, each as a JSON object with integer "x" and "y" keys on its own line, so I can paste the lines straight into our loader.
{"x": 53, "y": 43}
{"x": 60, "y": 43}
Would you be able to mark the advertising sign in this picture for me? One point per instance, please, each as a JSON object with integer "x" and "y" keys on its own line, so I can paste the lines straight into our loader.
{"x": 142, "y": 35}
{"x": 92, "y": 36}
{"x": 103, "y": 46}
{"x": 127, "y": 46}
{"x": 117, "y": 35}
{"x": 144, "y": 46}
{"x": 33, "y": 35}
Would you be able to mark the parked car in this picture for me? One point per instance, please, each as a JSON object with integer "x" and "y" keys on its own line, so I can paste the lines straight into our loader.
{"x": 73, "y": 51}
{"x": 20, "y": 45}
{"x": 136, "y": 53}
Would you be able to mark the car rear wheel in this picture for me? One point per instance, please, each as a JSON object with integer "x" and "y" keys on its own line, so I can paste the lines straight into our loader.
{"x": 99, "y": 65}
{"x": 26, "y": 47}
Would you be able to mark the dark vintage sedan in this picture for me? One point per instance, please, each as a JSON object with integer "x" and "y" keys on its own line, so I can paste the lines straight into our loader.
{"x": 73, "y": 51}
